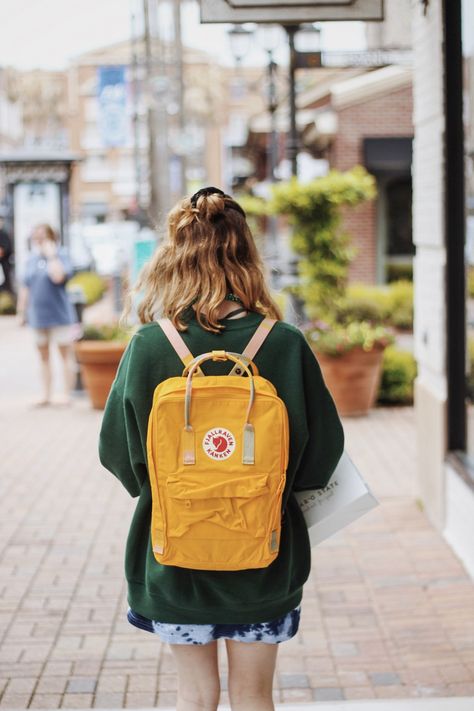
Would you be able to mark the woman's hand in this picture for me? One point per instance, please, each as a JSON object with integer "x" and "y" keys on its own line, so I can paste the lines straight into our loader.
{"x": 49, "y": 249}
{"x": 55, "y": 267}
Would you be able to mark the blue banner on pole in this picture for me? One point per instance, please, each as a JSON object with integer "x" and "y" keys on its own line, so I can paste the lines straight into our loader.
{"x": 112, "y": 96}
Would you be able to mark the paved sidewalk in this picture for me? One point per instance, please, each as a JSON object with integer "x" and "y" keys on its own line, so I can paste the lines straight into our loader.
{"x": 388, "y": 612}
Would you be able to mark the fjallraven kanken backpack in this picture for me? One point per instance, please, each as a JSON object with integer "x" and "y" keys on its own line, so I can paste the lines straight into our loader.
{"x": 217, "y": 450}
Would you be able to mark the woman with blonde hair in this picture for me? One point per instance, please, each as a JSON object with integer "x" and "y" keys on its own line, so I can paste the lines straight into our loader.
{"x": 207, "y": 279}
{"x": 43, "y": 303}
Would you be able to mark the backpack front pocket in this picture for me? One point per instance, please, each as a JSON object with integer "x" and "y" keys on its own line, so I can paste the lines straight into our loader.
{"x": 227, "y": 508}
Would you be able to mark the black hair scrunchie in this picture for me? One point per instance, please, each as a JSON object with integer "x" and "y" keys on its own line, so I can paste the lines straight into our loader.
{"x": 215, "y": 191}
{"x": 206, "y": 191}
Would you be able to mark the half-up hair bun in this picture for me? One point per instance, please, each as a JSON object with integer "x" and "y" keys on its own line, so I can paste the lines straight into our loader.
{"x": 205, "y": 191}
{"x": 211, "y": 206}
{"x": 211, "y": 203}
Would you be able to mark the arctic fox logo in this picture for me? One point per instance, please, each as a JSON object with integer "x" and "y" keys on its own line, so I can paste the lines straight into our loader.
{"x": 218, "y": 443}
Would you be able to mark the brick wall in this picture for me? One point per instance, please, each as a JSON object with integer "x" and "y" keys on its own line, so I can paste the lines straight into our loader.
{"x": 381, "y": 116}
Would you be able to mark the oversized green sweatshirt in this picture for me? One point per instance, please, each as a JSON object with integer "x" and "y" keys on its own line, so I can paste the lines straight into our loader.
{"x": 180, "y": 595}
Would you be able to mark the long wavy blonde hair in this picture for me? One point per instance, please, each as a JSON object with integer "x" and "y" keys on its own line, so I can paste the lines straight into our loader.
{"x": 209, "y": 252}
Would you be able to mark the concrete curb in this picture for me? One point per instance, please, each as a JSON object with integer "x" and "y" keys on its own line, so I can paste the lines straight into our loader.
{"x": 432, "y": 704}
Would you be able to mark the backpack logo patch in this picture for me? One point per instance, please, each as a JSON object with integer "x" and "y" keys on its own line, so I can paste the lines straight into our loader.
{"x": 218, "y": 443}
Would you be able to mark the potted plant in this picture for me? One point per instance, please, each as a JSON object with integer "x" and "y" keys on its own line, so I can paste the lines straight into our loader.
{"x": 350, "y": 353}
{"x": 350, "y": 357}
{"x": 98, "y": 353}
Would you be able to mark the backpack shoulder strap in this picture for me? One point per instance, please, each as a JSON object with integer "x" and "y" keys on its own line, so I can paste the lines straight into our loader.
{"x": 176, "y": 340}
{"x": 255, "y": 343}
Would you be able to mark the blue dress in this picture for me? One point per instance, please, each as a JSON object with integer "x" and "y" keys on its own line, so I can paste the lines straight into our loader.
{"x": 273, "y": 632}
{"x": 48, "y": 303}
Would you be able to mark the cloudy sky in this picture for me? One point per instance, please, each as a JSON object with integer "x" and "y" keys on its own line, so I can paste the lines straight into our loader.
{"x": 48, "y": 33}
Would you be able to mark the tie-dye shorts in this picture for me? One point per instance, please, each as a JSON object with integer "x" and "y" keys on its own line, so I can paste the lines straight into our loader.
{"x": 273, "y": 632}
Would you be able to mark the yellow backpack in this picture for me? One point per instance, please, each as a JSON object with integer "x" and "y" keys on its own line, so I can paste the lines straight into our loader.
{"x": 217, "y": 449}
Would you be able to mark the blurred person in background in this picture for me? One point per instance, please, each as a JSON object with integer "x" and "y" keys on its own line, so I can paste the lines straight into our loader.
{"x": 44, "y": 305}
{"x": 5, "y": 254}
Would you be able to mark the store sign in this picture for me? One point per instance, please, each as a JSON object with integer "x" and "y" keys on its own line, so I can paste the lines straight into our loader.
{"x": 289, "y": 11}
{"x": 307, "y": 60}
{"x": 113, "y": 119}
{"x": 367, "y": 58}
{"x": 288, "y": 3}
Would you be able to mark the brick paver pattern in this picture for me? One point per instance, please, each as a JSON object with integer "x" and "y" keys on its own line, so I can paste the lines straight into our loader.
{"x": 388, "y": 610}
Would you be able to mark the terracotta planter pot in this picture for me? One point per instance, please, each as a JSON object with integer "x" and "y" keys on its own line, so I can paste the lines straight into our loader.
{"x": 98, "y": 361}
{"x": 353, "y": 379}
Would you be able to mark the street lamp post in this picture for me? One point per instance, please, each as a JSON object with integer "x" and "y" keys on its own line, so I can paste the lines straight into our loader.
{"x": 151, "y": 118}
{"x": 272, "y": 107}
{"x": 269, "y": 37}
{"x": 180, "y": 87}
{"x": 304, "y": 46}
{"x": 303, "y": 40}
{"x": 292, "y": 141}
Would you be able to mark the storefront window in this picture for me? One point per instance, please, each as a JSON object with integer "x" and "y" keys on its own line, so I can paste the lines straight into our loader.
{"x": 399, "y": 218}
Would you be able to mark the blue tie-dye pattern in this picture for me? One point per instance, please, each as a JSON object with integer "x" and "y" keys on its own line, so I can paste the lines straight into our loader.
{"x": 273, "y": 632}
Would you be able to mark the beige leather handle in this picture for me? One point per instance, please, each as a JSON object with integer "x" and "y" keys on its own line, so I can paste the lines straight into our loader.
{"x": 214, "y": 355}
{"x": 189, "y": 449}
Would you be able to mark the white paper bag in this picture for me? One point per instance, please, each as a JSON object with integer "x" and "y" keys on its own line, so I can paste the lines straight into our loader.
{"x": 345, "y": 499}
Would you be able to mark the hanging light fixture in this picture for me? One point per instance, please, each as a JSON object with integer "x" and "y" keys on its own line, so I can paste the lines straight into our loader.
{"x": 308, "y": 46}
{"x": 240, "y": 38}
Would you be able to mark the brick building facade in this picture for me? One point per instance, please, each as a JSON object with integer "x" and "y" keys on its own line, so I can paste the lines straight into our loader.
{"x": 111, "y": 180}
{"x": 373, "y": 126}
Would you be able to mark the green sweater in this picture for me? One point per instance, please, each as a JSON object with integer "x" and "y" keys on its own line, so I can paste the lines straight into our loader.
{"x": 180, "y": 595}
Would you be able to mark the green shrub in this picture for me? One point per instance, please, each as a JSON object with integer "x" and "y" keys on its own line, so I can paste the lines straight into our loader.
{"x": 378, "y": 294}
{"x": 91, "y": 284}
{"x": 400, "y": 304}
{"x": 397, "y": 271}
{"x": 349, "y": 310}
{"x": 470, "y": 375}
{"x": 314, "y": 210}
{"x": 470, "y": 282}
{"x": 398, "y": 375}
{"x": 391, "y": 304}
{"x": 363, "y": 302}
{"x": 252, "y": 205}
{"x": 7, "y": 303}
{"x": 105, "y": 332}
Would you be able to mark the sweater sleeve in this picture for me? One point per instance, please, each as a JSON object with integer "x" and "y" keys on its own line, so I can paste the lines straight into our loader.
{"x": 325, "y": 443}
{"x": 121, "y": 448}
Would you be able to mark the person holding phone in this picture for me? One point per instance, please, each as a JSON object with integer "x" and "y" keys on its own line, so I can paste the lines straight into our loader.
{"x": 44, "y": 305}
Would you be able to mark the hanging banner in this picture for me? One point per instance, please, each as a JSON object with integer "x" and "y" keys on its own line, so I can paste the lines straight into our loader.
{"x": 112, "y": 97}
